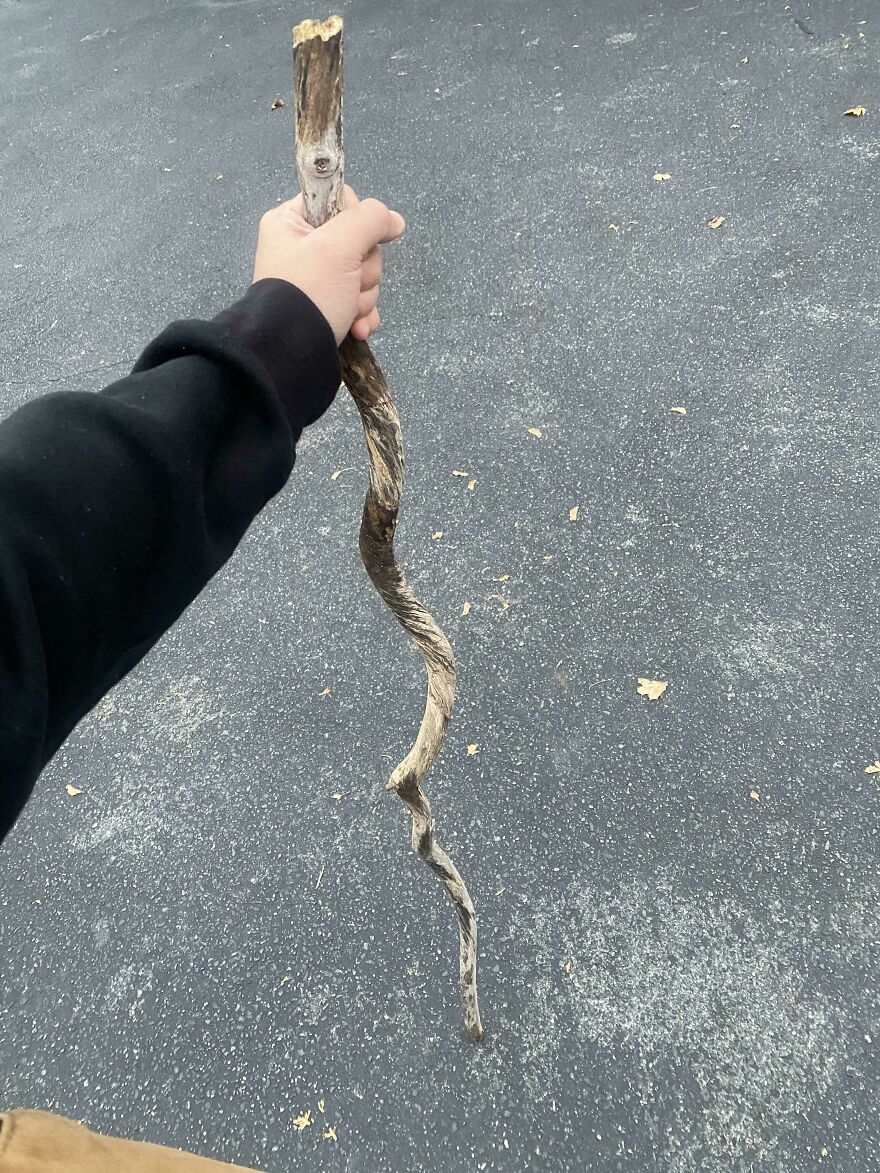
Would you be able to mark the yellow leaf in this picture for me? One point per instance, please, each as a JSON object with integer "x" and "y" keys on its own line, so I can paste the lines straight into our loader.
{"x": 874, "y": 768}
{"x": 679, "y": 410}
{"x": 855, "y": 112}
{"x": 536, "y": 432}
{"x": 456, "y": 472}
{"x": 652, "y": 689}
{"x": 321, "y": 1107}
{"x": 503, "y": 603}
{"x": 330, "y": 1133}
{"x": 754, "y": 795}
{"x": 301, "y": 1122}
{"x": 437, "y": 535}
{"x": 278, "y": 103}
{"x": 472, "y": 485}
{"x": 716, "y": 221}
{"x": 466, "y": 609}
{"x": 472, "y": 749}
{"x": 661, "y": 176}
{"x": 573, "y": 512}
{"x": 71, "y": 790}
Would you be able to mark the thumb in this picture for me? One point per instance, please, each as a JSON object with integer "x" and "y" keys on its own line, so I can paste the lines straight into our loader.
{"x": 364, "y": 225}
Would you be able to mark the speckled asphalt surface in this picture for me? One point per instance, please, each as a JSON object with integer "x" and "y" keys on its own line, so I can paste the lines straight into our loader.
{"x": 676, "y": 975}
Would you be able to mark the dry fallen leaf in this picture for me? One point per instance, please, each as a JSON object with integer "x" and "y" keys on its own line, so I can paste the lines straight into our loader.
{"x": 716, "y": 221}
{"x": 456, "y": 472}
{"x": 652, "y": 689}
{"x": 472, "y": 749}
{"x": 503, "y": 578}
{"x": 336, "y": 475}
{"x": 855, "y": 112}
{"x": 536, "y": 432}
{"x": 326, "y": 692}
{"x": 573, "y": 512}
{"x": 472, "y": 485}
{"x": 437, "y": 535}
{"x": 679, "y": 410}
{"x": 284, "y": 980}
{"x": 71, "y": 790}
{"x": 321, "y": 1107}
{"x": 754, "y": 795}
{"x": 278, "y": 103}
{"x": 301, "y": 1122}
{"x": 466, "y": 609}
{"x": 614, "y": 227}
{"x": 337, "y": 796}
{"x": 567, "y": 967}
{"x": 874, "y": 768}
{"x": 549, "y": 557}
{"x": 329, "y": 1133}
{"x": 661, "y": 176}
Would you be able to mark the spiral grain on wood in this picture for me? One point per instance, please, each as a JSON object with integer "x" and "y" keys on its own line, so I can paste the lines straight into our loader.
{"x": 317, "y": 54}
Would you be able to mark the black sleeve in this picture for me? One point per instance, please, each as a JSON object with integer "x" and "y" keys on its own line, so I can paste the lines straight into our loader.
{"x": 116, "y": 508}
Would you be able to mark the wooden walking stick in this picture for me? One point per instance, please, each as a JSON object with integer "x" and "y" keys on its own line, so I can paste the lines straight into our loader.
{"x": 317, "y": 67}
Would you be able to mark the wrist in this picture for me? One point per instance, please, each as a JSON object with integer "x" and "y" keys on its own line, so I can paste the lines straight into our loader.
{"x": 280, "y": 324}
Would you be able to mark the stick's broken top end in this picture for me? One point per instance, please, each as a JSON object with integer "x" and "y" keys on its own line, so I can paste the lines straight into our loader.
{"x": 325, "y": 29}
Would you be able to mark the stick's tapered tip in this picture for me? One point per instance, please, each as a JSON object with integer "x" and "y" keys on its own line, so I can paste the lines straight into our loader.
{"x": 325, "y": 29}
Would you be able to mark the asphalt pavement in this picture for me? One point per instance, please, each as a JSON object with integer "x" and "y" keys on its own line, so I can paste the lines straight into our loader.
{"x": 224, "y": 932}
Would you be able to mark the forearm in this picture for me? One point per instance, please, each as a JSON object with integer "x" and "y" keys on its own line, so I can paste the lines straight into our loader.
{"x": 117, "y": 508}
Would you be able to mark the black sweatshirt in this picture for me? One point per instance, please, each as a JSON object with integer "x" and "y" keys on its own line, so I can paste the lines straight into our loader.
{"x": 116, "y": 508}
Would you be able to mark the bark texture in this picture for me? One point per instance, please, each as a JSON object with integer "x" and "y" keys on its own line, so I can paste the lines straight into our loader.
{"x": 317, "y": 52}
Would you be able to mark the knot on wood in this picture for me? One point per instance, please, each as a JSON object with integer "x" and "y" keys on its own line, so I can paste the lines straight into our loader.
{"x": 322, "y": 162}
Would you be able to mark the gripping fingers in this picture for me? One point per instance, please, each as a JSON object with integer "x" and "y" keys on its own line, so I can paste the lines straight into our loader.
{"x": 363, "y": 327}
{"x": 367, "y": 302}
{"x": 371, "y": 269}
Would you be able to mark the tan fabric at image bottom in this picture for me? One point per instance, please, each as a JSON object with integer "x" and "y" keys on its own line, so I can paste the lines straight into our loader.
{"x": 38, "y": 1142}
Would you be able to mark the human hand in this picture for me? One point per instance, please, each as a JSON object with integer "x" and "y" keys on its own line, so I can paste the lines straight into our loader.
{"x": 337, "y": 265}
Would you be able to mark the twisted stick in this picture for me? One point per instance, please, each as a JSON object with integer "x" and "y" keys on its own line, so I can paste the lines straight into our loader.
{"x": 317, "y": 56}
